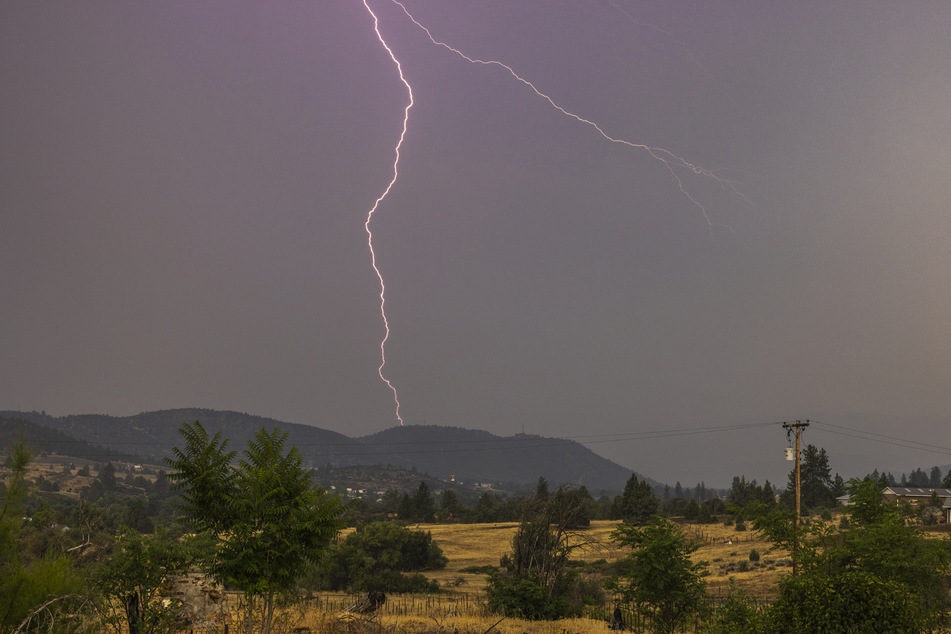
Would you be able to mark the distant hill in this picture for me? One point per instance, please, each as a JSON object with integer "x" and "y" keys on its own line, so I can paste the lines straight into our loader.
{"x": 471, "y": 455}
{"x": 153, "y": 434}
{"x": 41, "y": 438}
{"x": 478, "y": 455}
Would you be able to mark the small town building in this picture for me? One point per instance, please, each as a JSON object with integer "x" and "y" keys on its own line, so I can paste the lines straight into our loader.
{"x": 917, "y": 495}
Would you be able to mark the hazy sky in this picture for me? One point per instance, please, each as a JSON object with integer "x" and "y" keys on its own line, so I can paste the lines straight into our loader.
{"x": 184, "y": 186}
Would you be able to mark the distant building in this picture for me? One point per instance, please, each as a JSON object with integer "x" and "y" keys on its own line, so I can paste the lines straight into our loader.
{"x": 917, "y": 495}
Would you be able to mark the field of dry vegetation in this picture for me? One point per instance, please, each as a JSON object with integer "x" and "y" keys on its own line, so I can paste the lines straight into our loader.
{"x": 724, "y": 549}
{"x": 461, "y": 606}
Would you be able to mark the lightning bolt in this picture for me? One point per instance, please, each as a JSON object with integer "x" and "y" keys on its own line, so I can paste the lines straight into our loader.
{"x": 666, "y": 34}
{"x": 668, "y": 158}
{"x": 376, "y": 205}
{"x": 671, "y": 161}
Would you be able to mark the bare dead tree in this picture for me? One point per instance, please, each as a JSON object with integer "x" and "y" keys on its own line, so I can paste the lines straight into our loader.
{"x": 550, "y": 531}
{"x": 67, "y": 614}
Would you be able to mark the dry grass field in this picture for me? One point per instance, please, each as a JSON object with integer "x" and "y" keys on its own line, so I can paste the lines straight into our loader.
{"x": 723, "y": 548}
{"x": 461, "y": 607}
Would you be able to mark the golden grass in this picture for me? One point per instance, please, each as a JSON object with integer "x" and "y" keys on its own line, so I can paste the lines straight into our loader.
{"x": 483, "y": 544}
{"x": 725, "y": 549}
{"x": 462, "y": 608}
{"x": 428, "y": 616}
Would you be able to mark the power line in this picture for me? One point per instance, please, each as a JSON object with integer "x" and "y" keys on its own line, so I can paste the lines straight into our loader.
{"x": 884, "y": 439}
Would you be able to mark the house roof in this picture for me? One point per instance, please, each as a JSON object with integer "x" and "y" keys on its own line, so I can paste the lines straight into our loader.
{"x": 917, "y": 491}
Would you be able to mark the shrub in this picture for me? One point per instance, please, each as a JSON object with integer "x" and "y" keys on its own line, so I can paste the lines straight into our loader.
{"x": 664, "y": 584}
{"x": 486, "y": 570}
{"x": 754, "y": 554}
{"x": 521, "y": 597}
{"x": 737, "y": 614}
{"x": 376, "y": 555}
{"x": 851, "y": 601}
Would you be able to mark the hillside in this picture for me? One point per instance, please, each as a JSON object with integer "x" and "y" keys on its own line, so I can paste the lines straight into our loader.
{"x": 153, "y": 434}
{"x": 471, "y": 455}
{"x": 478, "y": 455}
{"x": 43, "y": 438}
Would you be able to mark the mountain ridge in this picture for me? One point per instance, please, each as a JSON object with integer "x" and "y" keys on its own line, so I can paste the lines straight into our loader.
{"x": 471, "y": 455}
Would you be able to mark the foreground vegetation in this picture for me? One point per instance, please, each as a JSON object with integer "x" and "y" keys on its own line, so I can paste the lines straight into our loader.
{"x": 254, "y": 524}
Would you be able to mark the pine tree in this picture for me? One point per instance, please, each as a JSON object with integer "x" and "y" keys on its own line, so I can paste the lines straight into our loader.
{"x": 637, "y": 503}
{"x": 815, "y": 479}
{"x": 934, "y": 480}
{"x": 423, "y": 504}
{"x": 541, "y": 489}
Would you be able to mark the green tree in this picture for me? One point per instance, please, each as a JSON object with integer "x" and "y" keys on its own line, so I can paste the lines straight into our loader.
{"x": 391, "y": 503}
{"x": 934, "y": 477}
{"x": 449, "y": 506}
{"x": 107, "y": 475}
{"x": 424, "y": 507}
{"x": 541, "y": 489}
{"x": 742, "y": 493}
{"x": 267, "y": 520}
{"x": 133, "y": 573}
{"x": 137, "y": 516}
{"x": 376, "y": 557}
{"x": 662, "y": 582}
{"x": 406, "y": 510}
{"x": 816, "y": 484}
{"x": 637, "y": 503}
{"x": 768, "y": 495}
{"x": 918, "y": 478}
{"x": 692, "y": 510}
{"x": 577, "y": 504}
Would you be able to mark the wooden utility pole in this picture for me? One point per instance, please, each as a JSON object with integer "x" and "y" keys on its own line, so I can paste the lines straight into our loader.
{"x": 797, "y": 427}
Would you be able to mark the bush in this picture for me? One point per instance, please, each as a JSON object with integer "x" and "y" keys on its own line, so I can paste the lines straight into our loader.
{"x": 754, "y": 554}
{"x": 740, "y": 525}
{"x": 851, "y": 601}
{"x": 526, "y": 598}
{"x": 486, "y": 570}
{"x": 375, "y": 556}
{"x": 738, "y": 614}
{"x": 522, "y": 597}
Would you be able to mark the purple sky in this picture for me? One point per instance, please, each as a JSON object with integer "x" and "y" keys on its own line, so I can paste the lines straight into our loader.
{"x": 183, "y": 189}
